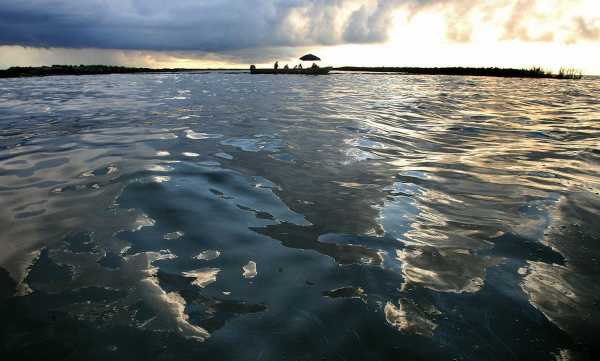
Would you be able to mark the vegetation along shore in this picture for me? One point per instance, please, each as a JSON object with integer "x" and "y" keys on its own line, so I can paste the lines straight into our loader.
{"x": 536, "y": 72}
{"x": 22, "y": 72}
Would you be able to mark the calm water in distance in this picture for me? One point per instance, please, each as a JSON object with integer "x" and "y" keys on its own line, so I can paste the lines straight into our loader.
{"x": 343, "y": 217}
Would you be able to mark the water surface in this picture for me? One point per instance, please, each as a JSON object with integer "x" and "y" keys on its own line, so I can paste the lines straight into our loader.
{"x": 343, "y": 217}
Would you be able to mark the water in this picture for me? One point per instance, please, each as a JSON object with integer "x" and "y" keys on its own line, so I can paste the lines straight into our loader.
{"x": 342, "y": 217}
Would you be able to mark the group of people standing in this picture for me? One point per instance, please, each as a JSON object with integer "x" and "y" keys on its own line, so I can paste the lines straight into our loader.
{"x": 299, "y": 66}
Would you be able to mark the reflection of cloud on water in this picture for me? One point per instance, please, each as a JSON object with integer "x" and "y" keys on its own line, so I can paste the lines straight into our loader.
{"x": 171, "y": 306}
{"x": 249, "y": 270}
{"x": 27, "y": 262}
{"x": 452, "y": 236}
{"x": 563, "y": 296}
{"x": 260, "y": 142}
{"x": 355, "y": 151}
{"x": 433, "y": 257}
{"x": 354, "y": 155}
{"x": 154, "y": 299}
{"x": 245, "y": 201}
{"x": 207, "y": 255}
{"x": 142, "y": 221}
{"x": 190, "y": 134}
{"x": 408, "y": 317}
{"x": 203, "y": 277}
{"x": 171, "y": 236}
{"x": 442, "y": 270}
{"x": 174, "y": 306}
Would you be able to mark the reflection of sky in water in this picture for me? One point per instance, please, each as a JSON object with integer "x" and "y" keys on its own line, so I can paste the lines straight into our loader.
{"x": 295, "y": 217}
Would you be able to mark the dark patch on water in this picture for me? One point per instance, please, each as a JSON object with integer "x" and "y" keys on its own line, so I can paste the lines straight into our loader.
{"x": 45, "y": 273}
{"x": 111, "y": 261}
{"x": 81, "y": 242}
{"x": 346, "y": 292}
{"x": 515, "y": 247}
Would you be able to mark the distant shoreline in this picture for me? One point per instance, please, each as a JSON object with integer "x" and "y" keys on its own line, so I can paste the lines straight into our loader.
{"x": 471, "y": 71}
{"x": 55, "y": 70}
{"x": 25, "y": 72}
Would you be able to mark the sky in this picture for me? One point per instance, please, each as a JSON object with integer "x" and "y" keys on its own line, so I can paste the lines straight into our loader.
{"x": 236, "y": 33}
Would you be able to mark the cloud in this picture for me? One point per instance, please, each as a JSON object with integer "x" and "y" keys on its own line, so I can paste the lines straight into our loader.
{"x": 517, "y": 26}
{"x": 160, "y": 33}
{"x": 588, "y": 29}
{"x": 522, "y": 20}
{"x": 222, "y": 25}
{"x": 198, "y": 25}
{"x": 366, "y": 26}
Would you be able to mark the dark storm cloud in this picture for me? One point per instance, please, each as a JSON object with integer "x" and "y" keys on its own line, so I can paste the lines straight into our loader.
{"x": 205, "y": 25}
{"x": 366, "y": 26}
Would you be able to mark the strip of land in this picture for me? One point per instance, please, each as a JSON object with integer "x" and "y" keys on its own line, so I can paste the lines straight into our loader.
{"x": 23, "y": 72}
{"x": 465, "y": 71}
{"x": 20, "y": 72}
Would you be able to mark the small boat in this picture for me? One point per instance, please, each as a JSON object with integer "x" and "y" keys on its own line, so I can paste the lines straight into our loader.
{"x": 306, "y": 71}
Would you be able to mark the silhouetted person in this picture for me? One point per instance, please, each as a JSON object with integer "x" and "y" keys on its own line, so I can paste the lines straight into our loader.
{"x": 300, "y": 66}
{"x": 315, "y": 66}
{"x": 286, "y": 67}
{"x": 276, "y": 66}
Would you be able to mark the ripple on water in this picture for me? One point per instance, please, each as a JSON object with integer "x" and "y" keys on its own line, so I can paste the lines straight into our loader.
{"x": 173, "y": 235}
{"x": 455, "y": 215}
{"x": 190, "y": 134}
{"x": 257, "y": 144}
{"x": 207, "y": 255}
{"x": 224, "y": 155}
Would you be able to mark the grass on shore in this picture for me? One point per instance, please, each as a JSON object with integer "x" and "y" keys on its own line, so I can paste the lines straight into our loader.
{"x": 569, "y": 73}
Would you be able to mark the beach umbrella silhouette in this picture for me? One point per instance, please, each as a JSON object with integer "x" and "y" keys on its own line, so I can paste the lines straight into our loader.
{"x": 310, "y": 57}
